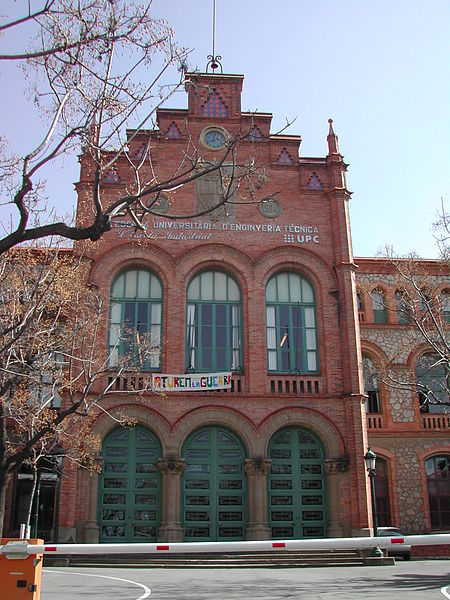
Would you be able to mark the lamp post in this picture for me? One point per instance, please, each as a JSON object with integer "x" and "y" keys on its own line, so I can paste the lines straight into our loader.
{"x": 370, "y": 459}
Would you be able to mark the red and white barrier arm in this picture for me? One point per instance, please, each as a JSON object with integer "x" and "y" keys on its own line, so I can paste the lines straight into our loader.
{"x": 21, "y": 548}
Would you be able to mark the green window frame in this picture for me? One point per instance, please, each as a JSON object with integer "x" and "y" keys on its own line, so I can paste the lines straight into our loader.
{"x": 371, "y": 385}
{"x": 213, "y": 323}
{"x": 291, "y": 330}
{"x": 379, "y": 307}
{"x": 135, "y": 320}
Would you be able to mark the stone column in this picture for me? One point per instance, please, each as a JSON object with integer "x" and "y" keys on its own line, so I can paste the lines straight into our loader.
{"x": 170, "y": 529}
{"x": 91, "y": 530}
{"x": 334, "y": 470}
{"x": 256, "y": 470}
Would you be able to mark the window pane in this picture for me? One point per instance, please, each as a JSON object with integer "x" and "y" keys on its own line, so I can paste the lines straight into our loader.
{"x": 207, "y": 286}
{"x": 283, "y": 287}
{"x": 310, "y": 339}
{"x": 220, "y": 290}
{"x": 295, "y": 291}
{"x": 308, "y": 294}
{"x": 130, "y": 284}
{"x": 117, "y": 289}
{"x": 143, "y": 290}
{"x": 312, "y": 361}
{"x": 116, "y": 313}
{"x": 233, "y": 290}
{"x": 270, "y": 314}
{"x": 156, "y": 313}
{"x": 155, "y": 287}
{"x": 271, "y": 290}
{"x": 309, "y": 317}
{"x": 194, "y": 289}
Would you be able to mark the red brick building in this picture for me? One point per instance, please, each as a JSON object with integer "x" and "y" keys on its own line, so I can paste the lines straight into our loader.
{"x": 264, "y": 288}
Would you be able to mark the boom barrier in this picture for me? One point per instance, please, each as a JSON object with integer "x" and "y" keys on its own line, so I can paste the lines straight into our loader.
{"x": 22, "y": 548}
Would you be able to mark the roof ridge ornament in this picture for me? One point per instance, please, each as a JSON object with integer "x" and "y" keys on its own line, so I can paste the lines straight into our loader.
{"x": 213, "y": 59}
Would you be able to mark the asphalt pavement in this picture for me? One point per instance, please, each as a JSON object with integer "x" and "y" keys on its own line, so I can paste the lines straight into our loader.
{"x": 413, "y": 580}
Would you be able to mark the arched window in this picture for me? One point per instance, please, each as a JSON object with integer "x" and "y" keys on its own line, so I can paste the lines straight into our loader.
{"x": 445, "y": 303}
{"x": 438, "y": 480}
{"x": 371, "y": 386}
{"x": 213, "y": 323}
{"x": 382, "y": 493}
{"x": 135, "y": 320}
{"x": 379, "y": 307}
{"x": 432, "y": 384}
{"x": 291, "y": 324}
{"x": 402, "y": 305}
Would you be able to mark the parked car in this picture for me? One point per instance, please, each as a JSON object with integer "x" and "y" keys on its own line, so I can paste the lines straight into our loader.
{"x": 403, "y": 550}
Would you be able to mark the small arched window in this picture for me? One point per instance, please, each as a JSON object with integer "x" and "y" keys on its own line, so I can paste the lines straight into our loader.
{"x": 438, "y": 479}
{"x": 291, "y": 324}
{"x": 403, "y": 307}
{"x": 445, "y": 303}
{"x": 371, "y": 385}
{"x": 213, "y": 323}
{"x": 135, "y": 320}
{"x": 379, "y": 307}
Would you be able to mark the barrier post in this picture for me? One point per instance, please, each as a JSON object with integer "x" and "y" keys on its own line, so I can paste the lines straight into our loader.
{"x": 20, "y": 573}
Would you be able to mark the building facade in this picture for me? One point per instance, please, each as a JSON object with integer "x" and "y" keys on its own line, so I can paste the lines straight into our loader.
{"x": 262, "y": 304}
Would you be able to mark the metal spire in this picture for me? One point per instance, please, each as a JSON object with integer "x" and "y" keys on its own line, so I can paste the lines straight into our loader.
{"x": 213, "y": 60}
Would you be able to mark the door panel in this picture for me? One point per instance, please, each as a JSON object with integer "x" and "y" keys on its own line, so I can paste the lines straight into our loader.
{"x": 130, "y": 484}
{"x": 213, "y": 487}
{"x": 296, "y": 486}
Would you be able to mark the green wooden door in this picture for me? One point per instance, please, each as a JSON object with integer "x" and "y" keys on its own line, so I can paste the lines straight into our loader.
{"x": 214, "y": 487}
{"x": 297, "y": 495}
{"x": 129, "y": 487}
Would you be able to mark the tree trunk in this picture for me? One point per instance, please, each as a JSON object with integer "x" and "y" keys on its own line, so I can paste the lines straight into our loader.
{"x": 5, "y": 478}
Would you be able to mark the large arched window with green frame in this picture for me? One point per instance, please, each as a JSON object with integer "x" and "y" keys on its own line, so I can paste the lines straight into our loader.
{"x": 291, "y": 324}
{"x": 213, "y": 323}
{"x": 136, "y": 320}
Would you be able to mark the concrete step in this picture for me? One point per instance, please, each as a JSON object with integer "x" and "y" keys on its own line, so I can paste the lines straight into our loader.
{"x": 278, "y": 559}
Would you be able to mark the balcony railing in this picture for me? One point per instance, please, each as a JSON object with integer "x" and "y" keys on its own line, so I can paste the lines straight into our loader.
{"x": 294, "y": 384}
{"x": 436, "y": 422}
{"x": 375, "y": 422}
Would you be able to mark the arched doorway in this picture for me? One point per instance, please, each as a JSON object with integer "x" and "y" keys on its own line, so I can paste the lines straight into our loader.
{"x": 130, "y": 487}
{"x": 296, "y": 485}
{"x": 214, "y": 490}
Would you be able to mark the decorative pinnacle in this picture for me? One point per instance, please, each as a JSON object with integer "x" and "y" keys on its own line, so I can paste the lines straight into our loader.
{"x": 332, "y": 139}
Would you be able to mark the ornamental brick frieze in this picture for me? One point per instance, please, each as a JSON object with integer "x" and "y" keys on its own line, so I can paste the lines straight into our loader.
{"x": 171, "y": 466}
{"x": 333, "y": 466}
{"x": 257, "y": 466}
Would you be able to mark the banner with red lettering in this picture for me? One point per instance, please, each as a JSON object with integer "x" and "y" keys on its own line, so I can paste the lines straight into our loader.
{"x": 191, "y": 382}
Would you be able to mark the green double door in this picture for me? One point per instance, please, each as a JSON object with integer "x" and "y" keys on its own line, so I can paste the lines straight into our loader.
{"x": 130, "y": 487}
{"x": 214, "y": 491}
{"x": 296, "y": 486}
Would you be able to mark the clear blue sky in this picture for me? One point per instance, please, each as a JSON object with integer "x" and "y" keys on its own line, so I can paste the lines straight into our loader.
{"x": 379, "y": 68}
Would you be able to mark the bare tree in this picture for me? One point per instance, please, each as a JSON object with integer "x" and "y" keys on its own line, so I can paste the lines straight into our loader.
{"x": 95, "y": 67}
{"x": 54, "y": 371}
{"x": 422, "y": 304}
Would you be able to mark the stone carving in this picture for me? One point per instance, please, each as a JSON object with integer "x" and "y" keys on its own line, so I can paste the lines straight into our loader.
{"x": 171, "y": 466}
{"x": 257, "y": 466}
{"x": 333, "y": 466}
{"x": 270, "y": 208}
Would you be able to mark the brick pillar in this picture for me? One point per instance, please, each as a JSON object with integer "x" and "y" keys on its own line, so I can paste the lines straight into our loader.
{"x": 334, "y": 470}
{"x": 256, "y": 471}
{"x": 170, "y": 529}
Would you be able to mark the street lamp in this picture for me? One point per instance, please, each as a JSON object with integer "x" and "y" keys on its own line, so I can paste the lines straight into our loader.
{"x": 370, "y": 459}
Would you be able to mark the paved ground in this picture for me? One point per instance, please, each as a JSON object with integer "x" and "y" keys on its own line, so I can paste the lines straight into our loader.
{"x": 414, "y": 580}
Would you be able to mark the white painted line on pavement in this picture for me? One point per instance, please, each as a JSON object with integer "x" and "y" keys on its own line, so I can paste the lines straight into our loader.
{"x": 444, "y": 591}
{"x": 147, "y": 591}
